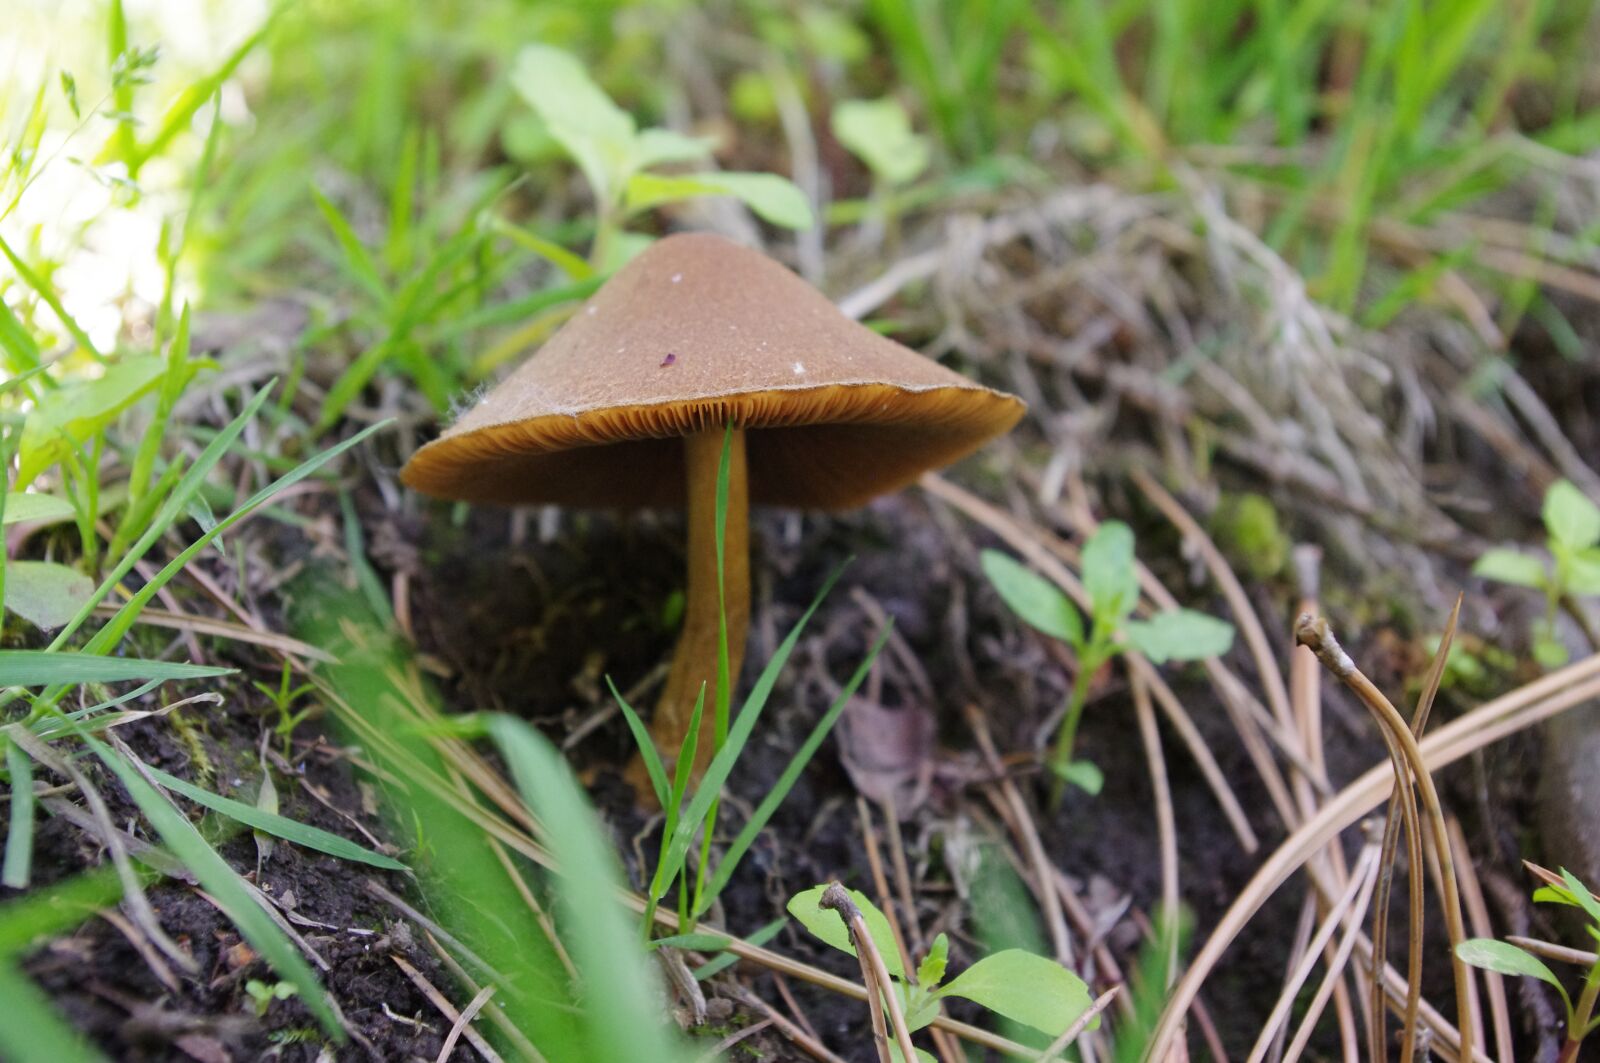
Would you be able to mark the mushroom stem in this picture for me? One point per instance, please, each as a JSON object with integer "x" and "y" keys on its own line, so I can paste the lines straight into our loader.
{"x": 695, "y": 660}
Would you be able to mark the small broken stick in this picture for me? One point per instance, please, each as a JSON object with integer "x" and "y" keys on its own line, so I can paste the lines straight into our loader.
{"x": 874, "y": 975}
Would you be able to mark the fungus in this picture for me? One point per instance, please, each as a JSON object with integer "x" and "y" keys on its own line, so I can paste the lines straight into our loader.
{"x": 627, "y": 405}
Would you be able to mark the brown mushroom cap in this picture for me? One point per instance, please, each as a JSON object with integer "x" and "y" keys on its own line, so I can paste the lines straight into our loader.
{"x": 691, "y": 334}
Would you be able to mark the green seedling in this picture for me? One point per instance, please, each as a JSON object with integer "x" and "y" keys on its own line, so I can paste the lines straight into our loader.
{"x": 690, "y": 814}
{"x": 878, "y": 132}
{"x": 1572, "y": 537}
{"x": 1019, "y": 985}
{"x": 1503, "y": 957}
{"x": 283, "y": 697}
{"x": 1111, "y": 580}
{"x": 263, "y": 994}
{"x": 618, "y": 158}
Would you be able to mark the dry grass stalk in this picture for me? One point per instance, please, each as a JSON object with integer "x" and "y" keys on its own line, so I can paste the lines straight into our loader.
{"x": 881, "y": 998}
{"x": 1489, "y": 723}
{"x": 1478, "y": 919}
{"x": 1315, "y": 634}
{"x": 1359, "y": 888}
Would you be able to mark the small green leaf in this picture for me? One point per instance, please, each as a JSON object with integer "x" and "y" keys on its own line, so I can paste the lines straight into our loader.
{"x": 930, "y": 972}
{"x": 33, "y": 668}
{"x": 774, "y": 198}
{"x": 578, "y": 114}
{"x": 922, "y": 1055}
{"x": 826, "y": 924}
{"x": 656, "y": 146}
{"x": 72, "y": 414}
{"x": 1509, "y": 566}
{"x": 1180, "y": 635}
{"x": 879, "y": 133}
{"x": 1083, "y": 774}
{"x": 1570, "y": 517}
{"x": 44, "y": 593}
{"x": 1108, "y": 572}
{"x": 30, "y": 506}
{"x": 1583, "y": 571}
{"x": 1033, "y": 598}
{"x": 1548, "y": 651}
{"x": 1505, "y": 958}
{"x": 1025, "y": 988}
{"x": 1580, "y": 894}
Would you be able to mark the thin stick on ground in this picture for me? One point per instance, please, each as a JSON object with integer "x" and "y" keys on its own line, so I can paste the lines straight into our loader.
{"x": 1073, "y": 1032}
{"x": 1166, "y": 822}
{"x": 448, "y": 1010}
{"x": 881, "y": 999}
{"x": 1338, "y": 962}
{"x": 1316, "y": 634}
{"x": 1546, "y": 697}
{"x": 468, "y": 1013}
{"x": 1478, "y": 917}
{"x": 1360, "y": 886}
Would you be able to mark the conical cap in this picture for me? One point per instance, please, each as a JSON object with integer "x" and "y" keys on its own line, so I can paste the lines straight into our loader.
{"x": 693, "y": 332}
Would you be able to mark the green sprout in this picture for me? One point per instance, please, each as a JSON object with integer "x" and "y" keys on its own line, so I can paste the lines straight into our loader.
{"x": 1026, "y": 988}
{"x": 263, "y": 994}
{"x": 1503, "y": 957}
{"x": 1112, "y": 582}
{"x": 878, "y": 132}
{"x": 617, "y": 157}
{"x": 1572, "y": 527}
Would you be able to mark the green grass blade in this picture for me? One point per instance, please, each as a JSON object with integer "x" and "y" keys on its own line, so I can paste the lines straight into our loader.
{"x": 57, "y": 908}
{"x": 586, "y": 890}
{"x": 33, "y": 1031}
{"x": 180, "y": 115}
{"x": 177, "y": 502}
{"x": 722, "y": 764}
{"x": 19, "y": 839}
{"x": 109, "y": 635}
{"x": 224, "y": 884}
{"x": 791, "y": 774}
{"x": 279, "y": 826}
{"x": 355, "y": 258}
{"x": 32, "y": 668}
{"x": 47, "y": 292}
{"x": 721, "y": 963}
{"x": 647, "y": 747}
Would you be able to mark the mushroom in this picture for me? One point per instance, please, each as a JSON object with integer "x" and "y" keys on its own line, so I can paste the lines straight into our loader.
{"x": 627, "y": 405}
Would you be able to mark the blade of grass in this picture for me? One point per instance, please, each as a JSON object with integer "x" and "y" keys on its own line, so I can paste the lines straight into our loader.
{"x": 19, "y": 839}
{"x": 647, "y": 748}
{"x": 279, "y": 826}
{"x": 224, "y": 884}
{"x": 786, "y": 781}
{"x": 31, "y": 668}
{"x": 721, "y": 765}
{"x": 586, "y": 889}
{"x": 33, "y": 1031}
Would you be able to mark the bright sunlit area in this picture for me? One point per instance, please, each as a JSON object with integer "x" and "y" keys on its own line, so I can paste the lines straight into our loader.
{"x": 843, "y": 530}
